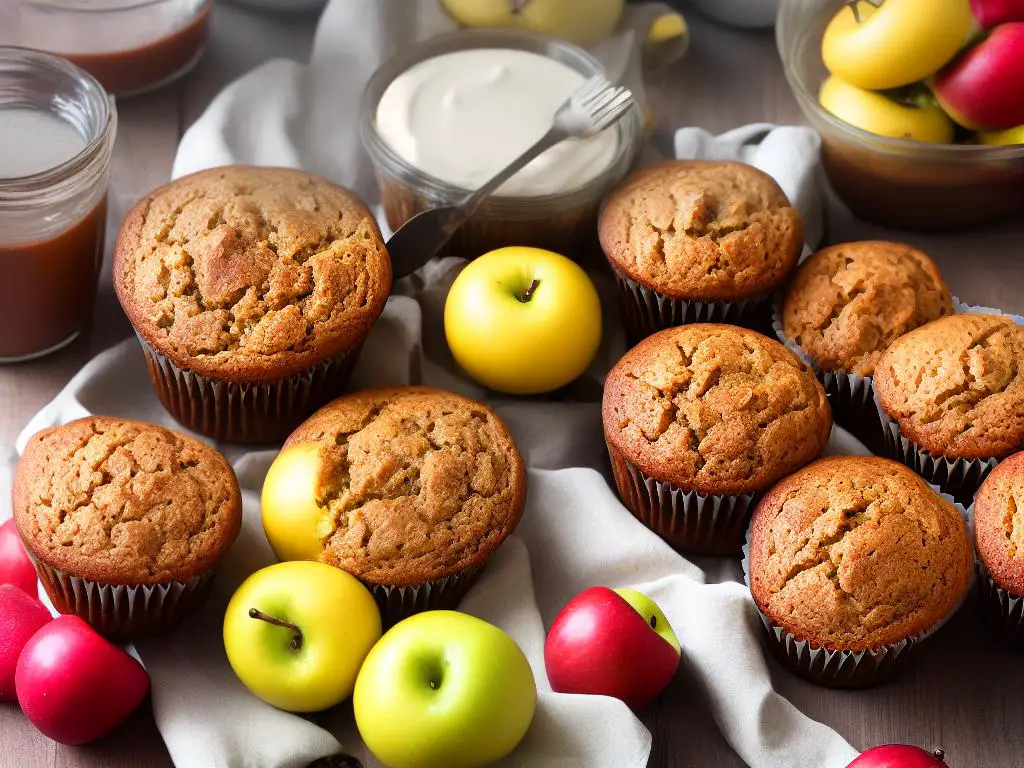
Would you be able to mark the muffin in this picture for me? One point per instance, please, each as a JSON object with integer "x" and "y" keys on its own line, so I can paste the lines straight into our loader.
{"x": 847, "y": 303}
{"x": 951, "y": 398}
{"x": 698, "y": 241}
{"x": 999, "y": 543}
{"x": 252, "y": 291}
{"x": 125, "y": 521}
{"x": 701, "y": 419}
{"x": 419, "y": 486}
{"x": 853, "y": 562}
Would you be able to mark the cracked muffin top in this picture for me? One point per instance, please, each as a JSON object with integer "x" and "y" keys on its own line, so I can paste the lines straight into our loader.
{"x": 415, "y": 483}
{"x": 125, "y": 502}
{"x": 849, "y": 302}
{"x": 699, "y": 230}
{"x": 999, "y": 523}
{"x": 956, "y": 386}
{"x": 715, "y": 409}
{"x": 250, "y": 274}
{"x": 857, "y": 552}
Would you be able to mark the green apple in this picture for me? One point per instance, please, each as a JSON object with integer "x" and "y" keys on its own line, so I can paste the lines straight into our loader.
{"x": 293, "y": 519}
{"x": 296, "y": 634}
{"x": 444, "y": 690}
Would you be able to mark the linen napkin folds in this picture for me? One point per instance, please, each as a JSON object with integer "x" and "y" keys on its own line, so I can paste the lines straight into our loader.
{"x": 574, "y": 533}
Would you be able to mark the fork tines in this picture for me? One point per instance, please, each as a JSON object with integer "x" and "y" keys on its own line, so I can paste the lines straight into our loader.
{"x": 603, "y": 102}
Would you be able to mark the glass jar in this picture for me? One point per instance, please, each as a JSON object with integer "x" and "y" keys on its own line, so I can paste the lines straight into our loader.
{"x": 57, "y": 130}
{"x": 565, "y": 222}
{"x": 130, "y": 46}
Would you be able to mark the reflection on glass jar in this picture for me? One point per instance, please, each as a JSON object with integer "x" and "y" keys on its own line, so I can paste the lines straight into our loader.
{"x": 57, "y": 130}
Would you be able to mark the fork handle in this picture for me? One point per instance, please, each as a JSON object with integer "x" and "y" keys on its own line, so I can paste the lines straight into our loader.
{"x": 468, "y": 205}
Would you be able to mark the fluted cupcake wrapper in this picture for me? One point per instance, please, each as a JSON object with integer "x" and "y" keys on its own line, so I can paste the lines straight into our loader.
{"x": 397, "y": 603}
{"x": 691, "y": 522}
{"x": 1003, "y": 609}
{"x": 833, "y": 668}
{"x": 645, "y": 311}
{"x": 124, "y": 612}
{"x": 262, "y": 412}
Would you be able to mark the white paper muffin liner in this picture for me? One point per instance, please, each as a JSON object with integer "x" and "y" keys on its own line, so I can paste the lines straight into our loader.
{"x": 847, "y": 669}
{"x": 1002, "y": 609}
{"x": 124, "y": 612}
{"x": 263, "y": 412}
{"x": 397, "y": 603}
{"x": 690, "y": 522}
{"x": 645, "y": 311}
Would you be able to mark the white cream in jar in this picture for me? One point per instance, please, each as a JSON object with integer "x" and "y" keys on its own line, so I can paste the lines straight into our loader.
{"x": 461, "y": 117}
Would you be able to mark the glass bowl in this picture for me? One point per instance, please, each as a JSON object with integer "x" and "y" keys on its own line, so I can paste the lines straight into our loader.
{"x": 565, "y": 222}
{"x": 895, "y": 182}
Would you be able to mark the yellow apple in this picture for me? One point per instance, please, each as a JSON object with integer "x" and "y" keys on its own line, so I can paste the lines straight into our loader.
{"x": 523, "y": 320}
{"x": 920, "y": 119}
{"x": 897, "y": 43}
{"x": 444, "y": 690}
{"x": 292, "y": 517}
{"x": 579, "y": 21}
{"x": 1009, "y": 137}
{"x": 296, "y": 634}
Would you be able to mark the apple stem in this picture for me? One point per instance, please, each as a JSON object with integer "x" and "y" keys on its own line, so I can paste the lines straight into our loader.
{"x": 518, "y": 6}
{"x": 528, "y": 293}
{"x": 939, "y": 754}
{"x": 856, "y": 11}
{"x": 295, "y": 643}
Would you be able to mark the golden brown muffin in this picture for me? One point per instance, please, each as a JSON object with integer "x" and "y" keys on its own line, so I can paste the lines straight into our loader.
{"x": 699, "y": 230}
{"x": 857, "y": 552}
{"x": 125, "y": 502}
{"x": 715, "y": 409}
{"x": 249, "y": 274}
{"x": 955, "y": 386}
{"x": 999, "y": 523}
{"x": 849, "y": 302}
{"x": 418, "y": 484}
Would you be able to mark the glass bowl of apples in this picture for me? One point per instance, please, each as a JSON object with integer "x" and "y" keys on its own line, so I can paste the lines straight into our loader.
{"x": 919, "y": 103}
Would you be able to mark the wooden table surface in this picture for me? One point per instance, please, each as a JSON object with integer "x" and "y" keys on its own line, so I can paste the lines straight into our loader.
{"x": 963, "y": 693}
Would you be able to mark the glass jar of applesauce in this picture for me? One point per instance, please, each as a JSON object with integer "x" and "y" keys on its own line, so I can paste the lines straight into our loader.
{"x": 57, "y": 129}
{"x": 554, "y": 208}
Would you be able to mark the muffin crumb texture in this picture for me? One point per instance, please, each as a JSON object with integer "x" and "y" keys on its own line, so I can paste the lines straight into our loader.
{"x": 245, "y": 267}
{"x": 849, "y": 302}
{"x": 125, "y": 502}
{"x": 416, "y": 483}
{"x": 715, "y": 408}
{"x": 999, "y": 523}
{"x": 854, "y": 553}
{"x": 955, "y": 386}
{"x": 702, "y": 230}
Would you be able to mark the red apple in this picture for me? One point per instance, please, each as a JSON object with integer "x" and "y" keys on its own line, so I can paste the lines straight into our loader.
{"x": 612, "y": 643}
{"x": 899, "y": 756}
{"x": 21, "y": 617}
{"x": 992, "y": 13}
{"x": 76, "y": 686}
{"x": 982, "y": 89}
{"x": 15, "y": 566}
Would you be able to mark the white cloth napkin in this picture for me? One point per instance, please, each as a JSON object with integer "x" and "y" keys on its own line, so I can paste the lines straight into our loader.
{"x": 574, "y": 534}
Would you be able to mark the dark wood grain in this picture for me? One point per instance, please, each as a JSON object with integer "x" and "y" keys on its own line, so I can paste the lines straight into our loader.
{"x": 964, "y": 692}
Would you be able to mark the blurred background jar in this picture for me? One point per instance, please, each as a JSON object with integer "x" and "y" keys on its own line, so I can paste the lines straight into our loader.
{"x": 57, "y": 131}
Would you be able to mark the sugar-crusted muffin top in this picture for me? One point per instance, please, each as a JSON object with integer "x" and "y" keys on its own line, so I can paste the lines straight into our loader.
{"x": 955, "y": 386}
{"x": 415, "y": 483}
{"x": 715, "y": 408}
{"x": 847, "y": 303}
{"x": 857, "y": 552}
{"x": 702, "y": 230}
{"x": 999, "y": 523}
{"x": 125, "y": 502}
{"x": 251, "y": 273}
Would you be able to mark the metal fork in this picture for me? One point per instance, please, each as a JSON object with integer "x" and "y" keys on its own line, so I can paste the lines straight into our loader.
{"x": 593, "y": 107}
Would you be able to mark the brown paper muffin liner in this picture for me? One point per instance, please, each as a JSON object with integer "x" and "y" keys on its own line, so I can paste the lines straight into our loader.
{"x": 838, "y": 668}
{"x": 264, "y": 412}
{"x": 850, "y": 395}
{"x": 124, "y": 612}
{"x": 645, "y": 311}
{"x": 397, "y": 603}
{"x": 1002, "y": 609}
{"x": 690, "y": 522}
